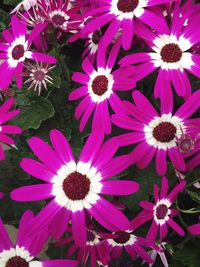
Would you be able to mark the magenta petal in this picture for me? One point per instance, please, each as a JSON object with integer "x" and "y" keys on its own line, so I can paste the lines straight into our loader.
{"x": 110, "y": 32}
{"x": 161, "y": 161}
{"x": 147, "y": 205}
{"x": 6, "y": 139}
{"x": 119, "y": 188}
{"x": 175, "y": 227}
{"x": 177, "y": 189}
{"x": 2, "y": 155}
{"x": 7, "y": 116}
{"x": 7, "y": 105}
{"x": 164, "y": 188}
{"x": 112, "y": 214}
{"x": 135, "y": 58}
{"x": 86, "y": 116}
{"x": 176, "y": 158}
{"x": 24, "y": 226}
{"x": 61, "y": 146}
{"x": 59, "y": 225}
{"x": 60, "y": 263}
{"x": 36, "y": 31}
{"x": 194, "y": 229}
{"x": 11, "y": 129}
{"x": 105, "y": 117}
{"x": 45, "y": 153}
{"x": 32, "y": 192}
{"x": 79, "y": 228}
{"x": 142, "y": 253}
{"x": 127, "y": 33}
{"x": 80, "y": 77}
{"x": 116, "y": 252}
{"x": 78, "y": 93}
{"x": 193, "y": 163}
{"x": 114, "y": 53}
{"x": 6, "y": 243}
{"x": 139, "y": 152}
{"x": 163, "y": 231}
{"x": 144, "y": 162}
{"x": 36, "y": 169}
{"x": 140, "y": 219}
{"x": 43, "y": 58}
{"x": 152, "y": 234}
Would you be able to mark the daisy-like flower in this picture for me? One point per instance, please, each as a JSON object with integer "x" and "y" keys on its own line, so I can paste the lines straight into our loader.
{"x": 124, "y": 14}
{"x": 61, "y": 14}
{"x": 99, "y": 89}
{"x": 27, "y": 247}
{"x": 132, "y": 244}
{"x": 160, "y": 212}
{"x": 38, "y": 76}
{"x": 25, "y": 4}
{"x": 194, "y": 229}
{"x": 95, "y": 249}
{"x": 170, "y": 54}
{"x": 157, "y": 134}
{"x": 16, "y": 49}
{"x": 5, "y": 116}
{"x": 76, "y": 188}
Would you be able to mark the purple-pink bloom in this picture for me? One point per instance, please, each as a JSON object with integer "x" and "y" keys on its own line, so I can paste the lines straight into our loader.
{"x": 76, "y": 187}
{"x": 95, "y": 249}
{"x": 161, "y": 213}
{"x": 156, "y": 133}
{"x": 27, "y": 247}
{"x": 132, "y": 244}
{"x": 16, "y": 49}
{"x": 194, "y": 229}
{"x": 5, "y": 116}
{"x": 170, "y": 54}
{"x": 125, "y": 15}
{"x": 99, "y": 90}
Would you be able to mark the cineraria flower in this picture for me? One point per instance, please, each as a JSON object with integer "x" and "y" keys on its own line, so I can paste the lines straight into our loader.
{"x": 157, "y": 134}
{"x": 95, "y": 249}
{"x": 38, "y": 76}
{"x": 194, "y": 229}
{"x": 6, "y": 115}
{"x": 129, "y": 242}
{"x": 160, "y": 212}
{"x": 16, "y": 50}
{"x": 26, "y": 4}
{"x": 60, "y": 14}
{"x": 27, "y": 247}
{"x": 76, "y": 188}
{"x": 124, "y": 14}
{"x": 99, "y": 88}
{"x": 170, "y": 54}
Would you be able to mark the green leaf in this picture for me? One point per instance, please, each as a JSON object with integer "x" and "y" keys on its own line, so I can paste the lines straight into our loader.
{"x": 190, "y": 255}
{"x": 39, "y": 109}
{"x": 11, "y": 2}
{"x": 194, "y": 196}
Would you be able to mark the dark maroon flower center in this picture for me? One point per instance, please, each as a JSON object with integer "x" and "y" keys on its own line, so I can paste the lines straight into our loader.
{"x": 90, "y": 236}
{"x": 58, "y": 20}
{"x": 171, "y": 53}
{"x": 123, "y": 237}
{"x": 16, "y": 261}
{"x": 18, "y": 52}
{"x": 76, "y": 186}
{"x": 96, "y": 36}
{"x": 39, "y": 75}
{"x": 100, "y": 85}
{"x": 164, "y": 132}
{"x": 161, "y": 211}
{"x": 127, "y": 5}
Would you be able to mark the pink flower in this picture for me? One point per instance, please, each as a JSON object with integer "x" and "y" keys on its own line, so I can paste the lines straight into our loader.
{"x": 99, "y": 90}
{"x": 16, "y": 49}
{"x": 156, "y": 133}
{"x": 170, "y": 54}
{"x": 76, "y": 188}
{"x": 160, "y": 212}
{"x": 6, "y": 115}
{"x": 125, "y": 15}
{"x": 27, "y": 247}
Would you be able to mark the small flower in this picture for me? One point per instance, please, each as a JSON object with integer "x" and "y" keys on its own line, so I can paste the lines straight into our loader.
{"x": 100, "y": 88}
{"x": 124, "y": 14}
{"x": 61, "y": 14}
{"x": 160, "y": 212}
{"x": 156, "y": 134}
{"x": 95, "y": 249}
{"x": 16, "y": 50}
{"x": 38, "y": 76}
{"x": 6, "y": 115}
{"x": 170, "y": 54}
{"x": 132, "y": 244}
{"x": 76, "y": 188}
{"x": 27, "y": 247}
